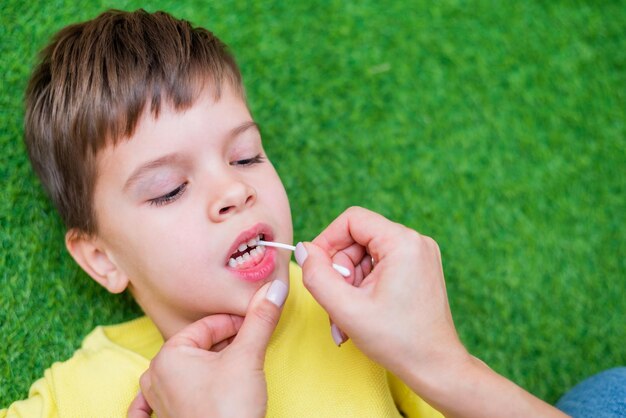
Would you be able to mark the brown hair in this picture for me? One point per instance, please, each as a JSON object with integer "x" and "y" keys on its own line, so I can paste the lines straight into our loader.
{"x": 92, "y": 85}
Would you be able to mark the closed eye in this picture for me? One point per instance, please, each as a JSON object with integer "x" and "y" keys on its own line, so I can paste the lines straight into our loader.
{"x": 249, "y": 161}
{"x": 169, "y": 197}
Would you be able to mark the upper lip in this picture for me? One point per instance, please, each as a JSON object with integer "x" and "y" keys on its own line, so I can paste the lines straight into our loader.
{"x": 248, "y": 234}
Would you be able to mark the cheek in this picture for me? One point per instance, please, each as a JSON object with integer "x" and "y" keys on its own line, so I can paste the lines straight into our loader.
{"x": 148, "y": 253}
{"x": 279, "y": 202}
{"x": 276, "y": 192}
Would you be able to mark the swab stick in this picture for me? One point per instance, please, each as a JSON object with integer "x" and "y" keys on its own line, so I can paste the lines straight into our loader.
{"x": 344, "y": 271}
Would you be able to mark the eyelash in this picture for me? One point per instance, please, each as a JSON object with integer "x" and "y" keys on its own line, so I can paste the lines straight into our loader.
{"x": 169, "y": 197}
{"x": 249, "y": 161}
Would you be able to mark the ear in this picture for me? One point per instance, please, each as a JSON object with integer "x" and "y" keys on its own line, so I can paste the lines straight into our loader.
{"x": 92, "y": 256}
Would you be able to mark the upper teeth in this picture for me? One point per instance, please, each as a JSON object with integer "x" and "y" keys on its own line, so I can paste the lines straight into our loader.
{"x": 259, "y": 250}
{"x": 252, "y": 243}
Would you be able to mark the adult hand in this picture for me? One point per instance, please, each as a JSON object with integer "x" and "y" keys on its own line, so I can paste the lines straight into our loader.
{"x": 395, "y": 309}
{"x": 399, "y": 306}
{"x": 214, "y": 367}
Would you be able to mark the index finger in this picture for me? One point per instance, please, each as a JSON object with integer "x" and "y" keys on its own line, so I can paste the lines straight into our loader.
{"x": 361, "y": 226}
{"x": 207, "y": 332}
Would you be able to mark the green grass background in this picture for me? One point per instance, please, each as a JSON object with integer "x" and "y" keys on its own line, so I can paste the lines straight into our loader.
{"x": 495, "y": 127}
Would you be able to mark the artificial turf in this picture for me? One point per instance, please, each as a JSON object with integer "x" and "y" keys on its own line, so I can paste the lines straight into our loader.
{"x": 495, "y": 127}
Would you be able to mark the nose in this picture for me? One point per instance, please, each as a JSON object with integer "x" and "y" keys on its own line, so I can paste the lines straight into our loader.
{"x": 232, "y": 197}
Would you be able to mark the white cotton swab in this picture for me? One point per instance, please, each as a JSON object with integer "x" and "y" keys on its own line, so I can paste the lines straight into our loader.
{"x": 277, "y": 245}
{"x": 344, "y": 271}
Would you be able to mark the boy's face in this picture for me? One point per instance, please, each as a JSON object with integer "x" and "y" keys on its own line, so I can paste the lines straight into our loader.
{"x": 175, "y": 201}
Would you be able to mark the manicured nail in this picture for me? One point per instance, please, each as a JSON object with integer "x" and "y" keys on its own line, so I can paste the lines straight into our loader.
{"x": 277, "y": 293}
{"x": 344, "y": 271}
{"x": 300, "y": 254}
{"x": 336, "y": 333}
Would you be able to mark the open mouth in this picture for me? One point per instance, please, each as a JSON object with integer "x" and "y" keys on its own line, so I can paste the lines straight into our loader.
{"x": 249, "y": 261}
{"x": 248, "y": 254}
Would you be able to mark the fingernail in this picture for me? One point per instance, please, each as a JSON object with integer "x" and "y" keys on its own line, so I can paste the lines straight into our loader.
{"x": 336, "y": 333}
{"x": 300, "y": 254}
{"x": 344, "y": 271}
{"x": 277, "y": 293}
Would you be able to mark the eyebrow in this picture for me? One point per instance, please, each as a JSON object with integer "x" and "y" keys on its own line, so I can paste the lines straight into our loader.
{"x": 149, "y": 166}
{"x": 242, "y": 128}
{"x": 174, "y": 157}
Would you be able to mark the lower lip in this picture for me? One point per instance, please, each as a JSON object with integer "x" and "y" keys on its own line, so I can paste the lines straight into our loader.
{"x": 260, "y": 271}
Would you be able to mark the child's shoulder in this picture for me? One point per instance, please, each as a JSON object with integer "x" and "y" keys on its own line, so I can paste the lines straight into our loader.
{"x": 100, "y": 379}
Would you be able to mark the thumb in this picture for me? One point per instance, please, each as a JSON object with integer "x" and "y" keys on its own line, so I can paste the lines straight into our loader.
{"x": 261, "y": 319}
{"x": 321, "y": 279}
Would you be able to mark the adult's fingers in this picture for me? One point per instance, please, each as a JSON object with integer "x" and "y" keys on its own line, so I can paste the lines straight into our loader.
{"x": 326, "y": 285}
{"x": 353, "y": 253}
{"x": 139, "y": 407}
{"x": 222, "y": 344}
{"x": 207, "y": 332}
{"x": 261, "y": 320}
{"x": 362, "y": 226}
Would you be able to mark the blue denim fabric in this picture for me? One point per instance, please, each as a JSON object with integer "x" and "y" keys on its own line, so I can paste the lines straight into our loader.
{"x": 600, "y": 396}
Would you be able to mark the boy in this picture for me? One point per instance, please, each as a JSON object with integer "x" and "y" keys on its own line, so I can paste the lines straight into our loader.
{"x": 138, "y": 127}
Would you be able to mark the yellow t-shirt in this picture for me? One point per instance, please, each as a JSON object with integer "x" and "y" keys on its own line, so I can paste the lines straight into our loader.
{"x": 307, "y": 375}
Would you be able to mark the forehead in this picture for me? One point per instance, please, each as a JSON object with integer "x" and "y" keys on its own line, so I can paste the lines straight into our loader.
{"x": 212, "y": 116}
{"x": 215, "y": 115}
{"x": 209, "y": 120}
